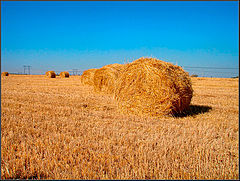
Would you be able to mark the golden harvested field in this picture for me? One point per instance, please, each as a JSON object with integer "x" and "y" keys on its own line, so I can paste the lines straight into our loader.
{"x": 61, "y": 129}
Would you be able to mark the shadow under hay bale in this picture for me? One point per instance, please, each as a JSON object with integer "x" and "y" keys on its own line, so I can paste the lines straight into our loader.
{"x": 64, "y": 74}
{"x": 105, "y": 78}
{"x": 50, "y": 74}
{"x": 5, "y": 74}
{"x": 153, "y": 87}
{"x": 194, "y": 110}
{"x": 87, "y": 76}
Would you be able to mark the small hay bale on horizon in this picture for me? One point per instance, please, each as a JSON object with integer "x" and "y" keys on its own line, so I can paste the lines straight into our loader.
{"x": 50, "y": 74}
{"x": 47, "y": 73}
{"x": 5, "y": 74}
{"x": 87, "y": 76}
{"x": 106, "y": 77}
{"x": 152, "y": 87}
{"x": 64, "y": 74}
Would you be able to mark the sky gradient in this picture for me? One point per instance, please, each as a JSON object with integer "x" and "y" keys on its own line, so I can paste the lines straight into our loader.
{"x": 81, "y": 35}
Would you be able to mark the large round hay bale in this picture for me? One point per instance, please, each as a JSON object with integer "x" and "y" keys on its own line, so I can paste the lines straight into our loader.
{"x": 153, "y": 87}
{"x": 105, "y": 78}
{"x": 87, "y": 76}
{"x": 5, "y": 74}
{"x": 116, "y": 66}
{"x": 64, "y": 74}
{"x": 51, "y": 74}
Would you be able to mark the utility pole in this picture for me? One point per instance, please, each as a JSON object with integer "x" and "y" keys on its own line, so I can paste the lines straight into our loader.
{"x": 24, "y": 69}
{"x": 29, "y": 69}
{"x": 75, "y": 71}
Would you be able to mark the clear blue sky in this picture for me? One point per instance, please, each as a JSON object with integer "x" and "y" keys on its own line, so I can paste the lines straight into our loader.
{"x": 65, "y": 35}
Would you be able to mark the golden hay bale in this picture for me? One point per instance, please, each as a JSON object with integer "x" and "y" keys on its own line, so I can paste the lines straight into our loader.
{"x": 48, "y": 72}
{"x": 105, "y": 78}
{"x": 87, "y": 76}
{"x": 153, "y": 87}
{"x": 51, "y": 74}
{"x": 5, "y": 74}
{"x": 64, "y": 74}
{"x": 116, "y": 66}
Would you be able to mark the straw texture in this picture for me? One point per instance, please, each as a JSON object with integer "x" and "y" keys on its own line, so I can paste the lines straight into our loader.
{"x": 106, "y": 77}
{"x": 116, "y": 66}
{"x": 153, "y": 87}
{"x": 87, "y": 76}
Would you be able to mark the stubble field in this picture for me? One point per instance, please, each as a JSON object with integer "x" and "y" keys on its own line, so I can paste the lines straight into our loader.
{"x": 61, "y": 129}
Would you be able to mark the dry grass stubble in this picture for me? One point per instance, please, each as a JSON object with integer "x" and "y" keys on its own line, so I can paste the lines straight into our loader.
{"x": 60, "y": 129}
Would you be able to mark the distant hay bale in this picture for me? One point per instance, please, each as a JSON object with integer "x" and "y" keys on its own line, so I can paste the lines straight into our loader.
{"x": 153, "y": 87}
{"x": 47, "y": 73}
{"x": 194, "y": 75}
{"x": 87, "y": 76}
{"x": 64, "y": 74}
{"x": 5, "y": 74}
{"x": 51, "y": 74}
{"x": 105, "y": 78}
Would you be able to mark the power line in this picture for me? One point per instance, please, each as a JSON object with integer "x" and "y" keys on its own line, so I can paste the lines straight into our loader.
{"x": 26, "y": 68}
{"x": 210, "y": 67}
{"x": 74, "y": 71}
{"x": 29, "y": 69}
{"x": 219, "y": 72}
{"x": 204, "y": 67}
